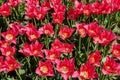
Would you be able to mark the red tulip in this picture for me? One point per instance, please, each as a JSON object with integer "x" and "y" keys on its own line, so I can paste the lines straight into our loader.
{"x": 30, "y": 26}
{"x": 4, "y": 44}
{"x": 68, "y": 48}
{"x": 32, "y": 3}
{"x": 87, "y": 10}
{"x": 36, "y": 49}
{"x": 17, "y": 27}
{"x": 47, "y": 29}
{"x": 11, "y": 64}
{"x": 8, "y": 51}
{"x": 60, "y": 8}
{"x": 58, "y": 18}
{"x": 2, "y": 65}
{"x": 45, "y": 69}
{"x": 33, "y": 35}
{"x": 40, "y": 13}
{"x": 106, "y": 8}
{"x": 14, "y": 3}
{"x": 106, "y": 37}
{"x": 52, "y": 54}
{"x": 86, "y": 72}
{"x": 46, "y": 5}
{"x": 94, "y": 29}
{"x": 32, "y": 31}
{"x": 78, "y": 6}
{"x": 94, "y": 58}
{"x": 81, "y": 29}
{"x": 72, "y": 14}
{"x": 107, "y": 1}
{"x": 110, "y": 66}
{"x": 10, "y": 36}
{"x": 56, "y": 2}
{"x": 116, "y": 50}
{"x": 58, "y": 45}
{"x": 25, "y": 49}
{"x": 96, "y": 7}
{"x": 30, "y": 11}
{"x": 118, "y": 69}
{"x": 115, "y": 4}
{"x": 66, "y": 32}
{"x": 65, "y": 67}
{"x": 5, "y": 10}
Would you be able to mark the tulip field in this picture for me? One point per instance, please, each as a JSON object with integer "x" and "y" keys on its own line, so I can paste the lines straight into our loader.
{"x": 59, "y": 39}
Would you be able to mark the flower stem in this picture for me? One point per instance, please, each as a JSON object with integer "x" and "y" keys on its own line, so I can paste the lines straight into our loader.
{"x": 18, "y": 74}
{"x": 79, "y": 44}
{"x": 56, "y": 30}
{"x": 28, "y": 61}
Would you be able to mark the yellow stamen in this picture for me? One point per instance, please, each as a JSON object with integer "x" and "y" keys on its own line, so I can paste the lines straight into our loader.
{"x": 44, "y": 69}
{"x": 52, "y": 56}
{"x": 9, "y": 36}
{"x": 84, "y": 74}
{"x": 33, "y": 36}
{"x": 64, "y": 69}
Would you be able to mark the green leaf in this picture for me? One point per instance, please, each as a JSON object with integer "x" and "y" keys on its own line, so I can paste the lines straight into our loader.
{"x": 103, "y": 59}
{"x": 21, "y": 71}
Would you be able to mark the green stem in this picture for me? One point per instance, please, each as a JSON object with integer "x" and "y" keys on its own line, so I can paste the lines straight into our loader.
{"x": 6, "y": 21}
{"x": 18, "y": 75}
{"x": 17, "y": 15}
{"x": 70, "y": 78}
{"x": 35, "y": 59}
{"x": 35, "y": 22}
{"x": 22, "y": 39}
{"x": 28, "y": 61}
{"x": 68, "y": 22}
{"x": 46, "y": 78}
{"x": 79, "y": 47}
{"x": 96, "y": 47}
{"x": 88, "y": 45}
{"x": 47, "y": 42}
{"x": 56, "y": 30}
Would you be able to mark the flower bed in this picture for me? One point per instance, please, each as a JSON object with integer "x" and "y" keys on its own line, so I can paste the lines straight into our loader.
{"x": 59, "y": 39}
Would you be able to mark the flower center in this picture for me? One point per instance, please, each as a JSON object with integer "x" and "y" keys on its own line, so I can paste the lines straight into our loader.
{"x": 116, "y": 52}
{"x": 108, "y": 67}
{"x": 8, "y": 53}
{"x": 65, "y": 35}
{"x": 35, "y": 52}
{"x": 86, "y": 12}
{"x": 9, "y": 36}
{"x": 47, "y": 32}
{"x": 57, "y": 20}
{"x": 52, "y": 56}
{"x": 92, "y": 60}
{"x": 56, "y": 46}
{"x": 104, "y": 39}
{"x": 39, "y": 15}
{"x": 44, "y": 69}
{"x": 11, "y": 66}
{"x": 67, "y": 49}
{"x": 84, "y": 74}
{"x": 5, "y": 45}
{"x": 96, "y": 39}
{"x": 4, "y": 12}
{"x": 64, "y": 69}
{"x": 82, "y": 31}
{"x": 32, "y": 36}
{"x": 91, "y": 31}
